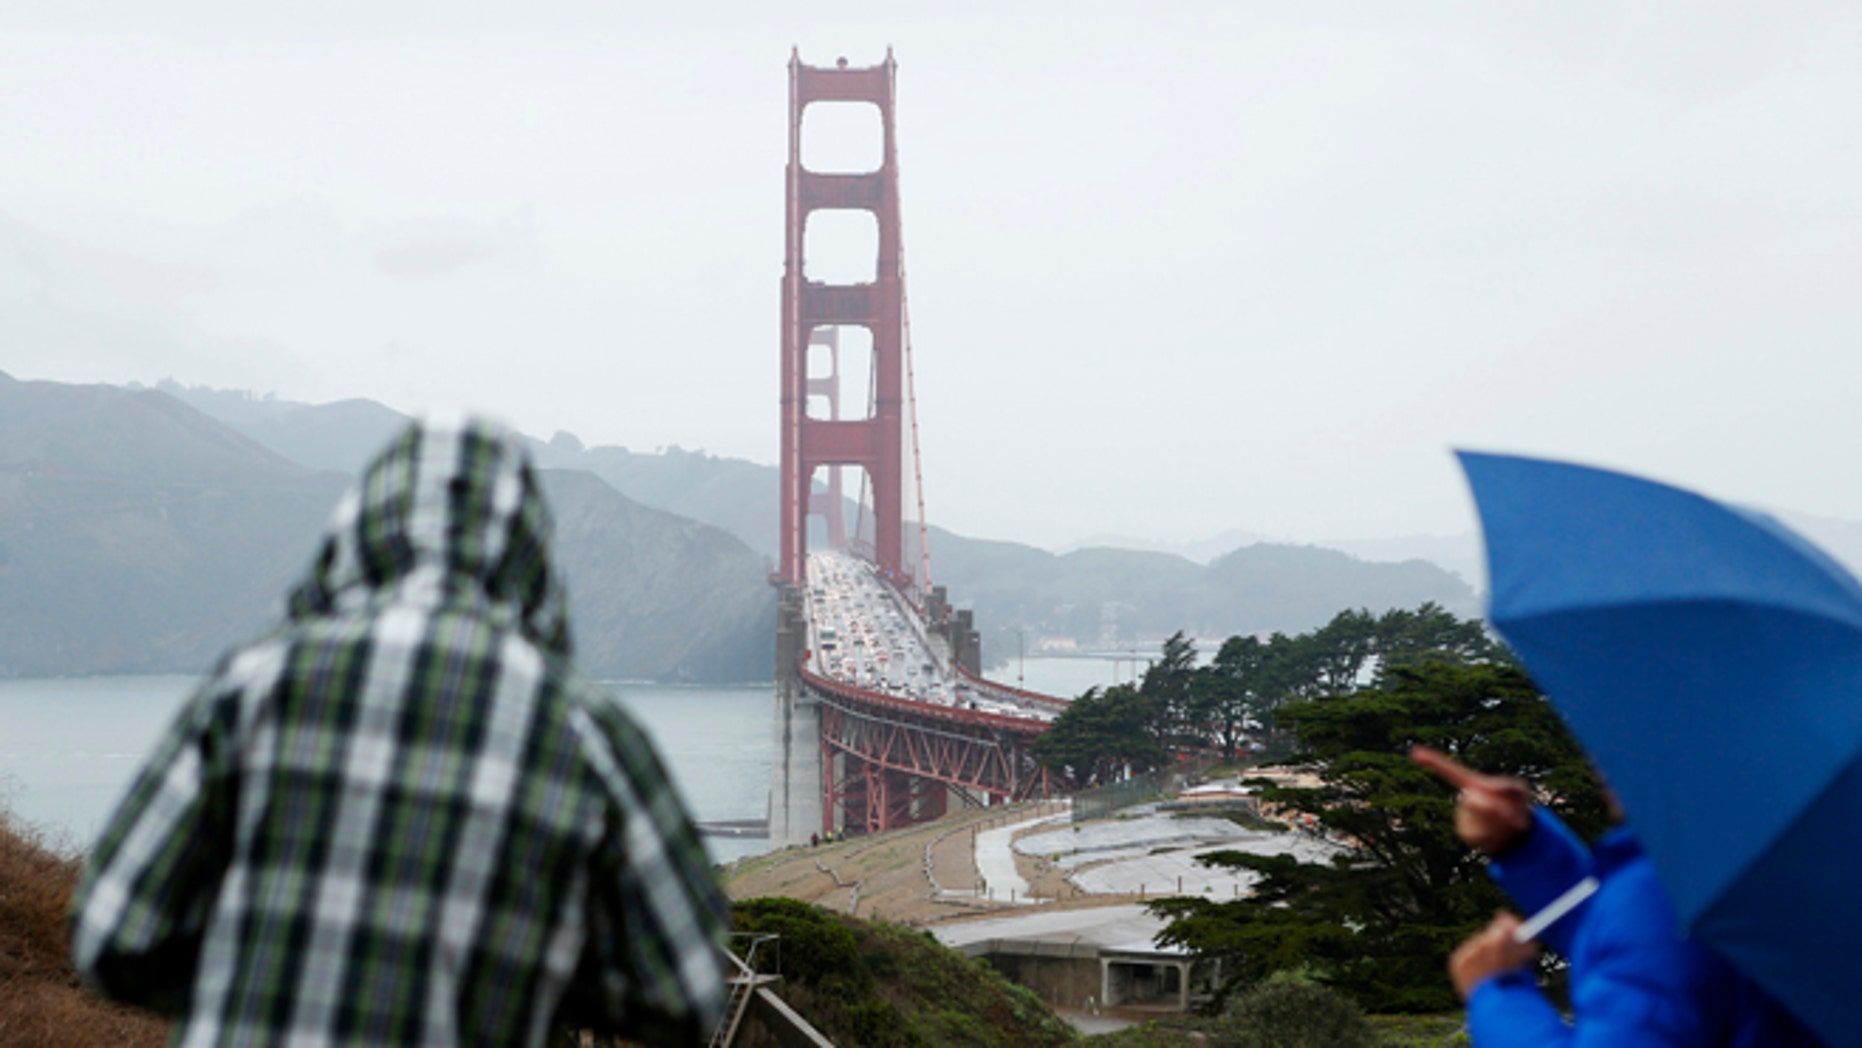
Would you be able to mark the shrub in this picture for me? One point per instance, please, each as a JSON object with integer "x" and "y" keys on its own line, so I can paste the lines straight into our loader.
{"x": 1295, "y": 1015}
{"x": 815, "y": 947}
{"x": 42, "y": 1004}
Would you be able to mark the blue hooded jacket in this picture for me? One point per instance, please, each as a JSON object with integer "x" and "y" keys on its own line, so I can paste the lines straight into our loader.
{"x": 1634, "y": 979}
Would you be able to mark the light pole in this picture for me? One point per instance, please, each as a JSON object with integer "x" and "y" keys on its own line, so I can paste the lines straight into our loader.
{"x": 1021, "y": 657}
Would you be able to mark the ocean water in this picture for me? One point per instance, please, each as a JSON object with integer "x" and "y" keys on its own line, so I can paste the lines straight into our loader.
{"x": 1067, "y": 678}
{"x": 69, "y": 746}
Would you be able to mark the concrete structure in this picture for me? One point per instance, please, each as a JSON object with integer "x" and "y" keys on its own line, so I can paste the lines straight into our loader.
{"x": 1088, "y": 959}
{"x": 795, "y": 782}
{"x": 1105, "y": 957}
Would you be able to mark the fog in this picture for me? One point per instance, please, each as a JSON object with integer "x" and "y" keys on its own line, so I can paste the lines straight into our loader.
{"x": 1230, "y": 266}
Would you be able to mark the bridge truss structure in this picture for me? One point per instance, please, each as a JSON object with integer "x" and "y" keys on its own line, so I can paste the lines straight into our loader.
{"x": 900, "y": 762}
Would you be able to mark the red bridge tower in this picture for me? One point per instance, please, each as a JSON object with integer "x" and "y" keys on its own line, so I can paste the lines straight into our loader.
{"x": 876, "y": 443}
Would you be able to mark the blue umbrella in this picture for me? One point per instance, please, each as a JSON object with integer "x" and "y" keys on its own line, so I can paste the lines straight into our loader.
{"x": 1710, "y": 660}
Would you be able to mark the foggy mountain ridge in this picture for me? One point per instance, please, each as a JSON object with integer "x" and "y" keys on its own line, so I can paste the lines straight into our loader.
{"x": 1460, "y": 554}
{"x": 1132, "y": 592}
{"x": 735, "y": 494}
{"x": 1110, "y": 599}
{"x": 1092, "y": 596}
{"x": 139, "y": 535}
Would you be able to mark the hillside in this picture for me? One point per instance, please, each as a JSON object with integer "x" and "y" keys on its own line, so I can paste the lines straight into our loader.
{"x": 1093, "y": 595}
{"x": 337, "y": 436}
{"x": 882, "y": 985}
{"x": 138, "y": 535}
{"x": 654, "y": 596}
{"x": 1110, "y": 597}
{"x": 42, "y": 1004}
{"x": 732, "y": 494}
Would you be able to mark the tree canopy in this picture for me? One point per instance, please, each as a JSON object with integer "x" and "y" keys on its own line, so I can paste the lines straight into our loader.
{"x": 1229, "y": 705}
{"x": 1379, "y": 921}
{"x": 1346, "y": 701}
{"x": 1103, "y": 736}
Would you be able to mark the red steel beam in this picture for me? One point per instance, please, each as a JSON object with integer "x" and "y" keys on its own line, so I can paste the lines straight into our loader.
{"x": 888, "y": 750}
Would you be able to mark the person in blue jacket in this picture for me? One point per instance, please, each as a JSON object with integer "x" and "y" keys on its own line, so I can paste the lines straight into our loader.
{"x": 1635, "y": 980}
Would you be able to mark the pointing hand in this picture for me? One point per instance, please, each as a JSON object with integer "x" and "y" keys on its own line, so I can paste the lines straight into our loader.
{"x": 1492, "y": 812}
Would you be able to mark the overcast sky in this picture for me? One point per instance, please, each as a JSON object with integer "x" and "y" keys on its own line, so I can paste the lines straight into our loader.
{"x": 1227, "y": 266}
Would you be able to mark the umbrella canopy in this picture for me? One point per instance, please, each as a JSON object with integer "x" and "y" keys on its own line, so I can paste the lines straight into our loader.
{"x": 1711, "y": 662}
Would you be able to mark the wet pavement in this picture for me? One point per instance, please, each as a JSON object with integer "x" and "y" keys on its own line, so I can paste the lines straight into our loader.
{"x": 1143, "y": 850}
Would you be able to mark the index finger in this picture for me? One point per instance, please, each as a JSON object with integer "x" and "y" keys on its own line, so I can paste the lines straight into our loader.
{"x": 1448, "y": 769}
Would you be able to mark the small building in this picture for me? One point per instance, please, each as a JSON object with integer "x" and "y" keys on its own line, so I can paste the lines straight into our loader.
{"x": 1088, "y": 959}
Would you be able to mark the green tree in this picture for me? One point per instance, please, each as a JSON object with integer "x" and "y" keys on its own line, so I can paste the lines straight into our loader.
{"x": 1432, "y": 633}
{"x": 1170, "y": 684}
{"x": 1336, "y": 654}
{"x": 1249, "y": 679}
{"x": 1229, "y": 694}
{"x": 1103, "y": 736}
{"x": 1379, "y": 920}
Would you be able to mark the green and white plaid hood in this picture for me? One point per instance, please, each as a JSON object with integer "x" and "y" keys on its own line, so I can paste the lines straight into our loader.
{"x": 443, "y": 515}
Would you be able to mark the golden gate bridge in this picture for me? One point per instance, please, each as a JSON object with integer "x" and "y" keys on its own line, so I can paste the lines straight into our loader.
{"x": 883, "y": 715}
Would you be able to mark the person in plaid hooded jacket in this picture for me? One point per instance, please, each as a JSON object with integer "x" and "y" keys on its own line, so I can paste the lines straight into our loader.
{"x": 404, "y": 816}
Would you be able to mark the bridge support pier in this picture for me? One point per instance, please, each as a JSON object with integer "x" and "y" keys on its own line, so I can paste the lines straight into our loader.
{"x": 795, "y": 787}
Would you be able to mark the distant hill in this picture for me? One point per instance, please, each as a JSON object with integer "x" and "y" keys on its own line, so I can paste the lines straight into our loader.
{"x": 1231, "y": 584}
{"x": 656, "y": 596}
{"x": 733, "y": 494}
{"x": 138, "y": 535}
{"x": 1124, "y": 589}
{"x": 1202, "y": 551}
{"x": 1116, "y": 597}
{"x": 341, "y": 436}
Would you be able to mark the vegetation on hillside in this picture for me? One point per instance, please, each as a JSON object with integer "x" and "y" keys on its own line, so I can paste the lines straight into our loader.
{"x": 42, "y": 1003}
{"x": 1293, "y": 1028}
{"x": 1232, "y": 704}
{"x": 1345, "y": 702}
{"x": 883, "y": 985}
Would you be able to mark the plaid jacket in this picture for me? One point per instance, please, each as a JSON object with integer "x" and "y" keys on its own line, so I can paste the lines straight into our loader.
{"x": 404, "y": 817}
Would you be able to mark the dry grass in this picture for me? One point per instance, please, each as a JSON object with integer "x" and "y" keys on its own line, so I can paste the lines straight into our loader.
{"x": 890, "y": 871}
{"x": 42, "y": 1003}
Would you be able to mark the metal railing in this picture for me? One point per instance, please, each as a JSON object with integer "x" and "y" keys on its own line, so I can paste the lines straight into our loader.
{"x": 743, "y": 982}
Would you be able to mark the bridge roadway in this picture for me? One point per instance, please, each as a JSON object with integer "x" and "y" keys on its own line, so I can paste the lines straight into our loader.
{"x": 864, "y": 634}
{"x": 903, "y": 727}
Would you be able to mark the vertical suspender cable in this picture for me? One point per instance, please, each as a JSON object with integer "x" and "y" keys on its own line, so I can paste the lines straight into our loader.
{"x": 911, "y": 413}
{"x": 911, "y": 397}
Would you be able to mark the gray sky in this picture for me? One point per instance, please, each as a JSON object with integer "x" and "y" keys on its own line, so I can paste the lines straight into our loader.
{"x": 1231, "y": 265}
